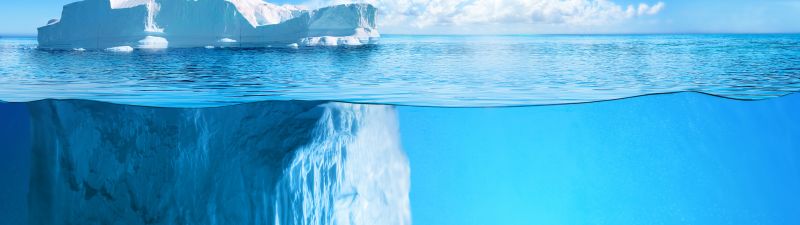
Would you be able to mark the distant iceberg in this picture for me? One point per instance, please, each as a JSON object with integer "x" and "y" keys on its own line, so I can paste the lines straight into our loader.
{"x": 157, "y": 24}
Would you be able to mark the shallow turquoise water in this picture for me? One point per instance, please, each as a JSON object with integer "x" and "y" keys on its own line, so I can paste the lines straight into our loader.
{"x": 472, "y": 71}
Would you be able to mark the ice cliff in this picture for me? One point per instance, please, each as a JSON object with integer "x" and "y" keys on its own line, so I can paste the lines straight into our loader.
{"x": 259, "y": 163}
{"x": 155, "y": 24}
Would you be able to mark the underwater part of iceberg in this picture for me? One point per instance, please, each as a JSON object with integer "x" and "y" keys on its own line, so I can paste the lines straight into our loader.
{"x": 148, "y": 24}
{"x": 260, "y": 163}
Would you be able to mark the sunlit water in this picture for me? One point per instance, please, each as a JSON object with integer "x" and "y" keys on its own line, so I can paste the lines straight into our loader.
{"x": 414, "y": 70}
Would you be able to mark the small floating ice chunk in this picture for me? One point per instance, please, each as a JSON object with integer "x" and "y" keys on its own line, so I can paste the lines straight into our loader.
{"x": 227, "y": 40}
{"x": 209, "y": 47}
{"x": 153, "y": 42}
{"x": 293, "y": 45}
{"x": 120, "y": 49}
{"x": 78, "y": 49}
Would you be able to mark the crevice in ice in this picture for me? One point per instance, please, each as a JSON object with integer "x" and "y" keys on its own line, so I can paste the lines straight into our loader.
{"x": 152, "y": 10}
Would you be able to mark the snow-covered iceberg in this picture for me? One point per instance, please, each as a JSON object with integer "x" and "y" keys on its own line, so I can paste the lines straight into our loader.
{"x": 287, "y": 162}
{"x": 155, "y": 24}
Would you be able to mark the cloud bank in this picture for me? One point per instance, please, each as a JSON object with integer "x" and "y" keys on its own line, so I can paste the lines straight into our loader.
{"x": 424, "y": 13}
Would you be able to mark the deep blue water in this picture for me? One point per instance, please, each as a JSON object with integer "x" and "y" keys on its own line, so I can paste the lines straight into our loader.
{"x": 15, "y": 155}
{"x": 513, "y": 151}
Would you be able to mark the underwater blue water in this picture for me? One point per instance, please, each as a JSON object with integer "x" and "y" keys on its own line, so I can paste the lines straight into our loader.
{"x": 666, "y": 159}
{"x": 483, "y": 122}
{"x": 14, "y": 162}
{"x": 472, "y": 71}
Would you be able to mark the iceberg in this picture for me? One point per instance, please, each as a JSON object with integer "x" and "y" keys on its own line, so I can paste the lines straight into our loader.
{"x": 280, "y": 162}
{"x": 158, "y": 24}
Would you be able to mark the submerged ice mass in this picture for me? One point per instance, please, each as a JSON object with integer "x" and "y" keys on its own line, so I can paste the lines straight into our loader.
{"x": 155, "y": 24}
{"x": 260, "y": 163}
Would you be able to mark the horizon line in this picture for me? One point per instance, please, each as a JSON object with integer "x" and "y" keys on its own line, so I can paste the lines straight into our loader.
{"x": 4, "y": 35}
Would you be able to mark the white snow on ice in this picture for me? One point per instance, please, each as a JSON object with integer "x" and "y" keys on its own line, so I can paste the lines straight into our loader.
{"x": 226, "y": 40}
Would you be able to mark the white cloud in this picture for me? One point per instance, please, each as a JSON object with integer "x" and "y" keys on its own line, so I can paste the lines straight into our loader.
{"x": 645, "y": 9}
{"x": 423, "y": 13}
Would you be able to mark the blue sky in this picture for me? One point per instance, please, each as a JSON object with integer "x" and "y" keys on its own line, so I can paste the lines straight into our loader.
{"x": 520, "y": 16}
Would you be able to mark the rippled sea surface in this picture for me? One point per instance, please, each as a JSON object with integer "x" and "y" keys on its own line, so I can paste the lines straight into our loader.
{"x": 448, "y": 71}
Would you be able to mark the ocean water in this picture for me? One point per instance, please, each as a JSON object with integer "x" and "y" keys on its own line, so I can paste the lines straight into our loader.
{"x": 443, "y": 71}
{"x": 552, "y": 129}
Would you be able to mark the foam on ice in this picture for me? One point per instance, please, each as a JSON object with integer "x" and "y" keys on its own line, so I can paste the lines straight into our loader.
{"x": 287, "y": 163}
{"x": 142, "y": 24}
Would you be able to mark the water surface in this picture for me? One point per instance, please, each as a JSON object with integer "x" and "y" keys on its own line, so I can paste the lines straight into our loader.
{"x": 467, "y": 71}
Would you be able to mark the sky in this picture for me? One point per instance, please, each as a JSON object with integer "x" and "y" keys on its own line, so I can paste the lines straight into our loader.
{"x": 19, "y": 17}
